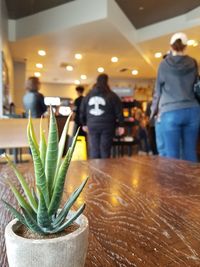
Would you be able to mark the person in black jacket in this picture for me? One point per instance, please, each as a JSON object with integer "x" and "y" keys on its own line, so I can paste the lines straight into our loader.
{"x": 76, "y": 110}
{"x": 100, "y": 113}
{"x": 33, "y": 100}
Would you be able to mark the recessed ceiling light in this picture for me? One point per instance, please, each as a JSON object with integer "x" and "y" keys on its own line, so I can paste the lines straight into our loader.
{"x": 69, "y": 68}
{"x": 83, "y": 77}
{"x": 190, "y": 42}
{"x": 39, "y": 65}
{"x": 158, "y": 55}
{"x": 114, "y": 59}
{"x": 196, "y": 43}
{"x": 42, "y": 53}
{"x": 77, "y": 82}
{"x": 37, "y": 74}
{"x": 100, "y": 69}
{"x": 135, "y": 72}
{"x": 141, "y": 8}
{"x": 78, "y": 56}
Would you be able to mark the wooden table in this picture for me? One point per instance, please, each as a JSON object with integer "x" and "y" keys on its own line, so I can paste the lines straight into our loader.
{"x": 143, "y": 211}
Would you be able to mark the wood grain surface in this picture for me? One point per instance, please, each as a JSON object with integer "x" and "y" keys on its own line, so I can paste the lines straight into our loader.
{"x": 143, "y": 211}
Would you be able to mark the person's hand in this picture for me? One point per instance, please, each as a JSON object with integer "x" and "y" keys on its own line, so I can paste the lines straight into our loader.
{"x": 85, "y": 128}
{"x": 120, "y": 130}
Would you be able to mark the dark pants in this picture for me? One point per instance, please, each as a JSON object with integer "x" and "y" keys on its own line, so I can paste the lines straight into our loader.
{"x": 100, "y": 143}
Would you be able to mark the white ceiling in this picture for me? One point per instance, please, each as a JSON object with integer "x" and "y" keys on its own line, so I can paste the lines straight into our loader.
{"x": 98, "y": 41}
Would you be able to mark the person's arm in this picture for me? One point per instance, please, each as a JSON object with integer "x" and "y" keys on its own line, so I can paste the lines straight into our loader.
{"x": 156, "y": 95}
{"x": 42, "y": 104}
{"x": 82, "y": 115}
{"x": 118, "y": 111}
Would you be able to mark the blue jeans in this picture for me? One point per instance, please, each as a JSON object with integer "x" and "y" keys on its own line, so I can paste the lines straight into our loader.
{"x": 160, "y": 139}
{"x": 181, "y": 131}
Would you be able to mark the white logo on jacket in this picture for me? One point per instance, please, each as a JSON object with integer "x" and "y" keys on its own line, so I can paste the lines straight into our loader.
{"x": 96, "y": 101}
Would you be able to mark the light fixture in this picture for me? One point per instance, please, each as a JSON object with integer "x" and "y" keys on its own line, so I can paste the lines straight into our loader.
{"x": 39, "y": 65}
{"x": 158, "y": 55}
{"x": 69, "y": 68}
{"x": 100, "y": 69}
{"x": 83, "y": 77}
{"x": 191, "y": 42}
{"x": 78, "y": 56}
{"x": 135, "y": 72}
{"x": 196, "y": 43}
{"x": 114, "y": 59}
{"x": 42, "y": 53}
{"x": 77, "y": 82}
{"x": 141, "y": 8}
{"x": 37, "y": 74}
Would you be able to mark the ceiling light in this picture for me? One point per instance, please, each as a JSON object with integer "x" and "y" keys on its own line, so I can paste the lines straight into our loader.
{"x": 196, "y": 43}
{"x": 83, "y": 77}
{"x": 135, "y": 72}
{"x": 114, "y": 59}
{"x": 78, "y": 56}
{"x": 100, "y": 69}
{"x": 37, "y": 74}
{"x": 77, "y": 82}
{"x": 39, "y": 65}
{"x": 158, "y": 55}
{"x": 69, "y": 68}
{"x": 141, "y": 8}
{"x": 190, "y": 42}
{"x": 42, "y": 53}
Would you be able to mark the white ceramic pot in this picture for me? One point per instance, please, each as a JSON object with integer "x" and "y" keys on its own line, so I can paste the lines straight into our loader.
{"x": 65, "y": 251}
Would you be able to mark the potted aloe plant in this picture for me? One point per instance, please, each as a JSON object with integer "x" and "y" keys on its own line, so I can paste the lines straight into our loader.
{"x": 38, "y": 236}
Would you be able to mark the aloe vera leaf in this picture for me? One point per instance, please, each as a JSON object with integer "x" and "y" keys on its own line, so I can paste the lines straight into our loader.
{"x": 43, "y": 145}
{"x": 70, "y": 221}
{"x": 33, "y": 133}
{"x": 38, "y": 167}
{"x": 62, "y": 142}
{"x": 60, "y": 181}
{"x": 62, "y": 215}
{"x": 23, "y": 183}
{"x": 34, "y": 195}
{"x": 21, "y": 200}
{"x": 43, "y": 219}
{"x": 52, "y": 152}
{"x": 31, "y": 222}
{"x": 14, "y": 212}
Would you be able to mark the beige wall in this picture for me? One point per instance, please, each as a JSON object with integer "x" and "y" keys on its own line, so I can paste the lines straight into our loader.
{"x": 61, "y": 90}
{"x": 19, "y": 85}
{"x": 4, "y": 46}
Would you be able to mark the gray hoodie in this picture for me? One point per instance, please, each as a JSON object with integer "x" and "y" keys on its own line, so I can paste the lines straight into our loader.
{"x": 174, "y": 84}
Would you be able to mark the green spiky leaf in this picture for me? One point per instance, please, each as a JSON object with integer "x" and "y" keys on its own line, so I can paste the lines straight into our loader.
{"x": 43, "y": 145}
{"x": 70, "y": 221}
{"x": 23, "y": 183}
{"x": 62, "y": 215}
{"x": 31, "y": 222}
{"x": 62, "y": 142}
{"x": 43, "y": 218}
{"x": 52, "y": 152}
{"x": 38, "y": 167}
{"x": 22, "y": 202}
{"x": 60, "y": 181}
{"x": 14, "y": 212}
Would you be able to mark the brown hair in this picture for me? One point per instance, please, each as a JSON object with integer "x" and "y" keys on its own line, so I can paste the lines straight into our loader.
{"x": 102, "y": 82}
{"x": 33, "y": 84}
{"x": 178, "y": 46}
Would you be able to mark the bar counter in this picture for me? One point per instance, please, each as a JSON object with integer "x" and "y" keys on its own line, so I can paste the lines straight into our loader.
{"x": 143, "y": 211}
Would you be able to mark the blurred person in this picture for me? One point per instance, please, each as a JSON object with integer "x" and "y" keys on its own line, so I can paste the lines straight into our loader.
{"x": 33, "y": 100}
{"x": 76, "y": 110}
{"x": 174, "y": 97}
{"x": 100, "y": 114}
